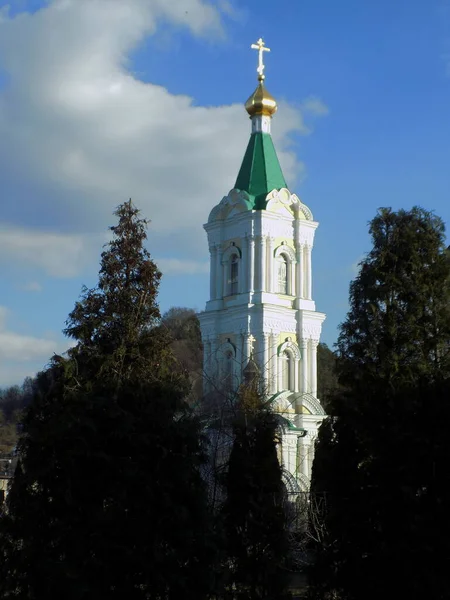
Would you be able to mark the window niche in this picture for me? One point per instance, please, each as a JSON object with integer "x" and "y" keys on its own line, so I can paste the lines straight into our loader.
{"x": 282, "y": 272}
{"x": 232, "y": 270}
{"x": 288, "y": 366}
{"x": 284, "y": 258}
{"x": 228, "y": 366}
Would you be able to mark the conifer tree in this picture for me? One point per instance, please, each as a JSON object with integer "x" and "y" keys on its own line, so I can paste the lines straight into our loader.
{"x": 108, "y": 501}
{"x": 254, "y": 515}
{"x": 379, "y": 460}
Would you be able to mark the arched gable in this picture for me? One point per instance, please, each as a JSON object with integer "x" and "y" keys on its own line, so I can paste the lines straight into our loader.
{"x": 287, "y": 250}
{"x": 312, "y": 404}
{"x": 228, "y": 253}
{"x": 226, "y": 348}
{"x": 290, "y": 482}
{"x": 291, "y": 348}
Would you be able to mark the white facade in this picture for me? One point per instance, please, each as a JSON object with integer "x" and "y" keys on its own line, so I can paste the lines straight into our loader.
{"x": 261, "y": 300}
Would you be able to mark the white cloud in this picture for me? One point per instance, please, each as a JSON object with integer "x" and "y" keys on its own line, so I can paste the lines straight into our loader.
{"x": 32, "y": 286}
{"x": 176, "y": 266}
{"x": 315, "y": 106}
{"x": 57, "y": 255}
{"x": 85, "y": 134}
{"x": 23, "y": 348}
{"x": 355, "y": 267}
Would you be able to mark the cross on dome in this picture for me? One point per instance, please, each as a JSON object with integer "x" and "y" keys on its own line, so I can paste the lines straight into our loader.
{"x": 261, "y": 47}
{"x": 251, "y": 340}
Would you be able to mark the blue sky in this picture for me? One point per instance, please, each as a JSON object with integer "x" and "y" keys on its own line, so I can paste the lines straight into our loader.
{"x": 101, "y": 100}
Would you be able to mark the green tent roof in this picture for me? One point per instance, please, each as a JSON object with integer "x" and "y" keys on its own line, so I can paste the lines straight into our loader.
{"x": 260, "y": 172}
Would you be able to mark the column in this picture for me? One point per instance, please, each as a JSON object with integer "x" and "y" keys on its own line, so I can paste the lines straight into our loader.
{"x": 296, "y": 374}
{"x": 206, "y": 365}
{"x": 213, "y": 362}
{"x": 300, "y": 272}
{"x": 270, "y": 263}
{"x": 291, "y": 278}
{"x": 265, "y": 360}
{"x": 304, "y": 466}
{"x": 314, "y": 345}
{"x": 262, "y": 264}
{"x": 311, "y": 454}
{"x": 308, "y": 273}
{"x": 274, "y": 371}
{"x": 280, "y": 373}
{"x": 251, "y": 264}
{"x": 212, "y": 275}
{"x": 305, "y": 366}
{"x": 219, "y": 272}
{"x": 243, "y": 270}
{"x": 241, "y": 355}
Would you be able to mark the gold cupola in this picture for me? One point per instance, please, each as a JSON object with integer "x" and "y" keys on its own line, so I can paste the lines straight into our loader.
{"x": 261, "y": 102}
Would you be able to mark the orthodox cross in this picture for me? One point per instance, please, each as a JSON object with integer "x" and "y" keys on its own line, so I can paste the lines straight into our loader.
{"x": 260, "y": 46}
{"x": 251, "y": 341}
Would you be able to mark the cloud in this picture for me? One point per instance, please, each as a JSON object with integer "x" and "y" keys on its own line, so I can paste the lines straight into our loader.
{"x": 355, "y": 267}
{"x": 56, "y": 254}
{"x": 315, "y": 106}
{"x": 24, "y": 355}
{"x": 176, "y": 266}
{"x": 23, "y": 348}
{"x": 80, "y": 133}
{"x": 32, "y": 286}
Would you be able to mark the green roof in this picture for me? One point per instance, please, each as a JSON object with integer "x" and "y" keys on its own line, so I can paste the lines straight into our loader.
{"x": 260, "y": 172}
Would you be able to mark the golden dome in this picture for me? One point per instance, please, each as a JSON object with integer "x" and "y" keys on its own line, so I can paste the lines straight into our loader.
{"x": 261, "y": 102}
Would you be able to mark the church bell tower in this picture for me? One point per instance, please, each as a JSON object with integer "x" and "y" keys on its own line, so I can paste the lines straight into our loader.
{"x": 261, "y": 305}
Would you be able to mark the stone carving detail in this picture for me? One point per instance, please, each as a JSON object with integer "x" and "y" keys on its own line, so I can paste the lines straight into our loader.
{"x": 278, "y": 325}
{"x": 284, "y": 198}
{"x": 279, "y": 228}
{"x": 234, "y": 199}
{"x": 229, "y": 252}
{"x": 289, "y": 345}
{"x": 226, "y": 347}
{"x": 303, "y": 482}
{"x": 311, "y": 331}
{"x": 313, "y": 405}
{"x": 306, "y": 237}
{"x": 290, "y": 482}
{"x": 284, "y": 249}
{"x": 300, "y": 207}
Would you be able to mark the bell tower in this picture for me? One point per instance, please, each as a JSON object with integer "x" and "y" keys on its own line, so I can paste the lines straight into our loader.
{"x": 260, "y": 239}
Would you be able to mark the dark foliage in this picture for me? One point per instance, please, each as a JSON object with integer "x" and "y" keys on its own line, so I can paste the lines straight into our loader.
{"x": 108, "y": 501}
{"x": 380, "y": 460}
{"x": 254, "y": 514}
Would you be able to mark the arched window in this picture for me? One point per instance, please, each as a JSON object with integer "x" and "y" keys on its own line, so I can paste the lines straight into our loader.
{"x": 288, "y": 364}
{"x": 234, "y": 275}
{"x": 282, "y": 274}
{"x": 227, "y": 361}
{"x": 286, "y": 377}
{"x": 228, "y": 371}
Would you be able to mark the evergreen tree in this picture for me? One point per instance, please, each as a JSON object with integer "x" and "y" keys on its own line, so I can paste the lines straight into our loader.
{"x": 379, "y": 460}
{"x": 108, "y": 501}
{"x": 327, "y": 383}
{"x": 254, "y": 511}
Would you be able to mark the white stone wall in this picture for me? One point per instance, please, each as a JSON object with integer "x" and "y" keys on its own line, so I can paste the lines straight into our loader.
{"x": 277, "y": 322}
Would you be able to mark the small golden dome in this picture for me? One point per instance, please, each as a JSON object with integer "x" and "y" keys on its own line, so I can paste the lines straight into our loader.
{"x": 261, "y": 102}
